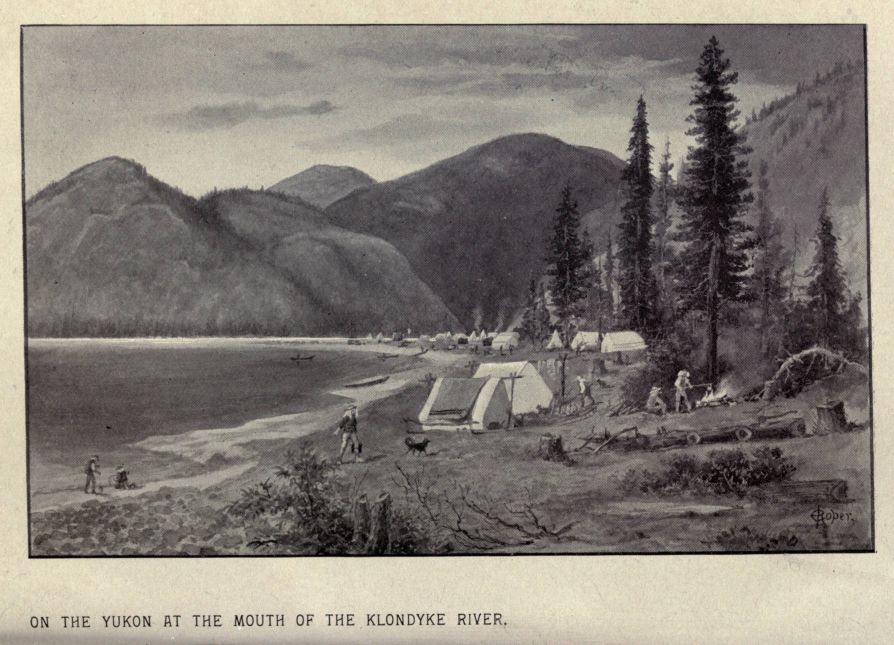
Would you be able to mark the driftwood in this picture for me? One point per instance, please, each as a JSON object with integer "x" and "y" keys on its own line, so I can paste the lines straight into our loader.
{"x": 801, "y": 369}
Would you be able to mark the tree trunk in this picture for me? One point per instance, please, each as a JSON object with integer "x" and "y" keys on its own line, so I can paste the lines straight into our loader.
{"x": 360, "y": 520}
{"x": 712, "y": 307}
{"x": 380, "y": 522}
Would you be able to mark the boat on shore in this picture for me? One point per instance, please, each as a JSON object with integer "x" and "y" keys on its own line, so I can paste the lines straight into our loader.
{"x": 369, "y": 382}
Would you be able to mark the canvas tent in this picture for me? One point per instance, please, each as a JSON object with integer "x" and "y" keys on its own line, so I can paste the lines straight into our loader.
{"x": 555, "y": 341}
{"x": 474, "y": 339}
{"x": 622, "y": 341}
{"x": 505, "y": 340}
{"x": 586, "y": 340}
{"x": 475, "y": 404}
{"x": 528, "y": 391}
{"x": 380, "y": 338}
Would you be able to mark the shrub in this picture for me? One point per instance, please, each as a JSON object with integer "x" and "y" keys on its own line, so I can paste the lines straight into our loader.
{"x": 747, "y": 539}
{"x": 724, "y": 472}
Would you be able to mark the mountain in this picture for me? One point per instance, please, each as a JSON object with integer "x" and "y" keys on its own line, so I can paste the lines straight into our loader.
{"x": 112, "y": 251}
{"x": 812, "y": 139}
{"x": 474, "y": 227}
{"x": 321, "y": 185}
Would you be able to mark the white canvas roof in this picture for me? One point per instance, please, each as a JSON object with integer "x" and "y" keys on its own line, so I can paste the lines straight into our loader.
{"x": 622, "y": 341}
{"x": 528, "y": 392}
{"x": 586, "y": 339}
{"x": 506, "y": 339}
{"x": 555, "y": 341}
{"x": 465, "y": 404}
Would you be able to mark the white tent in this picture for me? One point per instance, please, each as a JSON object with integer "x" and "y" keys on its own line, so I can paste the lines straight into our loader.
{"x": 505, "y": 340}
{"x": 380, "y": 338}
{"x": 586, "y": 340}
{"x": 475, "y": 404}
{"x": 528, "y": 391}
{"x": 622, "y": 341}
{"x": 474, "y": 339}
{"x": 555, "y": 341}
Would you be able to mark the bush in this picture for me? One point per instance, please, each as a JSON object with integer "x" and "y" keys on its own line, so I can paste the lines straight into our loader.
{"x": 724, "y": 472}
{"x": 746, "y": 539}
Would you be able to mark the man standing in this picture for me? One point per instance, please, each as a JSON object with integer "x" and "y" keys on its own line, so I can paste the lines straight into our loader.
{"x": 92, "y": 470}
{"x": 349, "y": 437}
{"x": 682, "y": 384}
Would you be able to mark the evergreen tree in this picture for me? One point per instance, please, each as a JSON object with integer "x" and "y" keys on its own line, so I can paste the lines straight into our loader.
{"x": 568, "y": 259}
{"x": 663, "y": 218}
{"x": 635, "y": 278}
{"x": 768, "y": 259}
{"x": 714, "y": 198}
{"x": 597, "y": 297}
{"x": 826, "y": 291}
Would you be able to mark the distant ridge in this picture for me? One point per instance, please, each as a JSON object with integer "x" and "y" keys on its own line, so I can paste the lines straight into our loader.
{"x": 321, "y": 185}
{"x": 112, "y": 251}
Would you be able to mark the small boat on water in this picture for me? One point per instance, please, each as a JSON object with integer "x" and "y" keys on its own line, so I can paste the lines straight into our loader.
{"x": 368, "y": 382}
{"x": 302, "y": 358}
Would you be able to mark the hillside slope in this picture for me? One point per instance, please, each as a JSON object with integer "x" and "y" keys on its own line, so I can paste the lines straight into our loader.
{"x": 321, "y": 185}
{"x": 112, "y": 251}
{"x": 474, "y": 226}
{"x": 811, "y": 140}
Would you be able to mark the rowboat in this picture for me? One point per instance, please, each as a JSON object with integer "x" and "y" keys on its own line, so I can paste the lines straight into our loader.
{"x": 373, "y": 381}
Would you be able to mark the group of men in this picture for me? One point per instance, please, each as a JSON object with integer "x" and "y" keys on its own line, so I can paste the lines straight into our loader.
{"x": 656, "y": 404}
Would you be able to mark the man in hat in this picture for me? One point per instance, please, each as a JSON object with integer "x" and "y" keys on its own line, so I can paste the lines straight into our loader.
{"x": 656, "y": 404}
{"x": 586, "y": 395}
{"x": 91, "y": 470}
{"x": 349, "y": 437}
{"x": 682, "y": 384}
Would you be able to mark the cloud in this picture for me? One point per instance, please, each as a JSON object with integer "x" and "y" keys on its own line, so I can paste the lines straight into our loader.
{"x": 227, "y": 115}
{"x": 283, "y": 61}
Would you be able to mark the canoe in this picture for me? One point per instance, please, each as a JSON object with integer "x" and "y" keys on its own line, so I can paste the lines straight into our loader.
{"x": 373, "y": 381}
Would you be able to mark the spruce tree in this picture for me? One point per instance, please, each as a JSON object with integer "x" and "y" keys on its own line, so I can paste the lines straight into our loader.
{"x": 768, "y": 258}
{"x": 714, "y": 198}
{"x": 568, "y": 259}
{"x": 826, "y": 291}
{"x": 663, "y": 218}
{"x": 635, "y": 278}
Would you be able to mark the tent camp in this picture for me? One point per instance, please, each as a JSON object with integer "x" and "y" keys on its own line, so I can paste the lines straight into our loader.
{"x": 586, "y": 340}
{"x": 622, "y": 341}
{"x": 505, "y": 340}
{"x": 474, "y": 339}
{"x": 475, "y": 404}
{"x": 528, "y": 391}
{"x": 555, "y": 341}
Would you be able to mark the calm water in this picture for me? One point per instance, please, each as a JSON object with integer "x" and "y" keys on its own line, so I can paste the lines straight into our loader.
{"x": 96, "y": 397}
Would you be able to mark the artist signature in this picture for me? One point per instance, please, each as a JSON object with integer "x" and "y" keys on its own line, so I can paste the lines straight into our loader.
{"x": 827, "y": 516}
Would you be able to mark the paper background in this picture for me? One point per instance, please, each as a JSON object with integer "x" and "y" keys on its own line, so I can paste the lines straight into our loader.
{"x": 667, "y": 599}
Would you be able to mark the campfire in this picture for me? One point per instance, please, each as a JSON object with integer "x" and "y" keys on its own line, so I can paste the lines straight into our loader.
{"x": 713, "y": 398}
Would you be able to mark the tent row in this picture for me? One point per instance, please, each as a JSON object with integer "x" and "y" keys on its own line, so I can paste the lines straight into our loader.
{"x": 612, "y": 342}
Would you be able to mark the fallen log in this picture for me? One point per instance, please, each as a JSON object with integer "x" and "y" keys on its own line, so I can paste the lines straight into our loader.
{"x": 634, "y": 429}
{"x": 801, "y": 369}
{"x": 820, "y": 490}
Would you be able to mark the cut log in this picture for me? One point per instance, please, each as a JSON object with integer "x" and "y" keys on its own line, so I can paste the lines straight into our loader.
{"x": 360, "y": 520}
{"x": 821, "y": 490}
{"x": 551, "y": 448}
{"x": 830, "y": 418}
{"x": 379, "y": 539}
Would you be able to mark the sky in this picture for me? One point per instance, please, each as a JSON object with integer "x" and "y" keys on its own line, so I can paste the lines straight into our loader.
{"x": 206, "y": 107}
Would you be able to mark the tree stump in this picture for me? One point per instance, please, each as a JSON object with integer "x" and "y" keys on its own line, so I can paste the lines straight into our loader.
{"x": 830, "y": 418}
{"x": 551, "y": 448}
{"x": 380, "y": 522}
{"x": 360, "y": 521}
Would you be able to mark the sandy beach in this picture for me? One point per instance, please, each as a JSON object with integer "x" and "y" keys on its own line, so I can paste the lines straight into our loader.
{"x": 224, "y": 454}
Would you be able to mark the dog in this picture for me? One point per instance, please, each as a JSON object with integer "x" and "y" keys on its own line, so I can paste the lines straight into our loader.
{"x": 418, "y": 447}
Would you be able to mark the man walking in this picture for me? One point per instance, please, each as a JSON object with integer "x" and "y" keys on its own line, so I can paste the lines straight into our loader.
{"x": 585, "y": 393}
{"x": 349, "y": 437}
{"x": 682, "y": 384}
{"x": 92, "y": 470}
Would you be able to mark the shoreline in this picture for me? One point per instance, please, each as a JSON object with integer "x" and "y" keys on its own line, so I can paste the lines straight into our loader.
{"x": 228, "y": 452}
